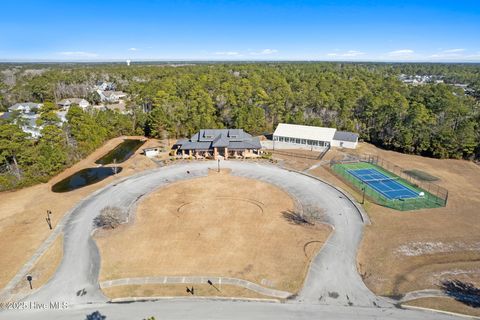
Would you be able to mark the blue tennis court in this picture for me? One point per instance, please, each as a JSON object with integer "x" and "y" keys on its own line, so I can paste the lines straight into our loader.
{"x": 385, "y": 185}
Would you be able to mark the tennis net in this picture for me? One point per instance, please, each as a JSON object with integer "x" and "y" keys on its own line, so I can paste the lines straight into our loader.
{"x": 378, "y": 180}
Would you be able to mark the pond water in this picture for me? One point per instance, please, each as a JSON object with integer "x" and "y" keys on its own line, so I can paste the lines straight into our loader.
{"x": 121, "y": 152}
{"x": 85, "y": 177}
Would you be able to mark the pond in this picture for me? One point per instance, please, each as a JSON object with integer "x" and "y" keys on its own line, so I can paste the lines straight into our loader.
{"x": 85, "y": 177}
{"x": 121, "y": 152}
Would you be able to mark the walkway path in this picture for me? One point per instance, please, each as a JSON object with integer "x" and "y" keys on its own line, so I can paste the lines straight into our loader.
{"x": 197, "y": 280}
{"x": 332, "y": 280}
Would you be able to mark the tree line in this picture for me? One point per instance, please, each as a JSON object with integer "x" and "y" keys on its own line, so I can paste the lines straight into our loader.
{"x": 436, "y": 120}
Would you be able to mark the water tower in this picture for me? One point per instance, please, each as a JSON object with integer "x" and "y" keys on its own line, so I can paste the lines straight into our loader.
{"x": 128, "y": 62}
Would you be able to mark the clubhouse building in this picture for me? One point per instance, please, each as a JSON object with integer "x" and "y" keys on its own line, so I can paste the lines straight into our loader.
{"x": 215, "y": 143}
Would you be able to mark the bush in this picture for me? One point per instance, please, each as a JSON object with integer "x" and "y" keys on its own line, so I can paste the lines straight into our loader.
{"x": 109, "y": 218}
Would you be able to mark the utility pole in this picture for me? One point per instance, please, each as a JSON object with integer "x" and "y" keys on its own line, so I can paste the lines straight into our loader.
{"x": 363, "y": 196}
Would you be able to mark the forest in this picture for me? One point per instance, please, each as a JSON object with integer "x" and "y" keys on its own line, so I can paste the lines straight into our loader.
{"x": 436, "y": 120}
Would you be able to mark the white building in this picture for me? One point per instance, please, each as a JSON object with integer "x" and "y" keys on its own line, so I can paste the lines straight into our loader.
{"x": 25, "y": 107}
{"x": 152, "y": 152}
{"x": 309, "y": 137}
{"x": 66, "y": 103}
{"x": 111, "y": 96}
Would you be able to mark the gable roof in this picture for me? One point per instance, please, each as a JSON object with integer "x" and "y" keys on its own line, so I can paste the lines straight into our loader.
{"x": 207, "y": 139}
{"x": 17, "y": 106}
{"x": 346, "y": 136}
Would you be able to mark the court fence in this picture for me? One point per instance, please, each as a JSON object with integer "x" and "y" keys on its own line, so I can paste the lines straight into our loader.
{"x": 434, "y": 196}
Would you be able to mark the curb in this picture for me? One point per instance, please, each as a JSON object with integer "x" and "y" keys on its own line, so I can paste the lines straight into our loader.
{"x": 441, "y": 311}
{"x": 360, "y": 210}
{"x": 212, "y": 298}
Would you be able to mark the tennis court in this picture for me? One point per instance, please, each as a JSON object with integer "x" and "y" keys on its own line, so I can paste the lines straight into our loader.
{"x": 389, "y": 187}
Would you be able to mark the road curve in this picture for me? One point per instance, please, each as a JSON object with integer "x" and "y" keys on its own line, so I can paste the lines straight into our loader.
{"x": 331, "y": 284}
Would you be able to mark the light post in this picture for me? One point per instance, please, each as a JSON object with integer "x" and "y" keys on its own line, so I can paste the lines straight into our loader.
{"x": 218, "y": 170}
{"x": 49, "y": 219}
{"x": 211, "y": 283}
{"x": 29, "y": 279}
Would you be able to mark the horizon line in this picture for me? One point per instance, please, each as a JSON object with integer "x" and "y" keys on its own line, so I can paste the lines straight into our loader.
{"x": 132, "y": 61}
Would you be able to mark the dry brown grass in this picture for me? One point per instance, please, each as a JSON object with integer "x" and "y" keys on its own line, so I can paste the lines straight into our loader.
{"x": 220, "y": 225}
{"x": 446, "y": 304}
{"x": 22, "y": 213}
{"x": 44, "y": 269}
{"x": 455, "y": 229}
{"x": 179, "y": 290}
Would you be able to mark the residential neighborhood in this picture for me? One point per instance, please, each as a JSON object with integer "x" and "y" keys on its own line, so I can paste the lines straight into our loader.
{"x": 27, "y": 113}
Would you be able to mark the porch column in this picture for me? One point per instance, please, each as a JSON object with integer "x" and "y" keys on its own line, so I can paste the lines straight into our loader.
{"x": 215, "y": 153}
{"x": 226, "y": 153}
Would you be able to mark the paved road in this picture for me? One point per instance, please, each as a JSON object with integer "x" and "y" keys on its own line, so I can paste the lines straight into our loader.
{"x": 200, "y": 309}
{"x": 332, "y": 279}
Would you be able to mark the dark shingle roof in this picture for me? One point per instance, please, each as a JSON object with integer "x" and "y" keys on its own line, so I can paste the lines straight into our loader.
{"x": 345, "y": 136}
{"x": 207, "y": 139}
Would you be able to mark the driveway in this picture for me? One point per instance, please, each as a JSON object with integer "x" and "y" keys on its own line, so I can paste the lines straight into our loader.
{"x": 332, "y": 287}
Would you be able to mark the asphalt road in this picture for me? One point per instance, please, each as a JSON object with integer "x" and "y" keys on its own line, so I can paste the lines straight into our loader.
{"x": 333, "y": 288}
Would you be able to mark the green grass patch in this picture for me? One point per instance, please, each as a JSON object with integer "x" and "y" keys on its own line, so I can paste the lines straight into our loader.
{"x": 421, "y": 175}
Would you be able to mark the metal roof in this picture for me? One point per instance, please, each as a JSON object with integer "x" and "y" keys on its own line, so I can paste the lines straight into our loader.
{"x": 304, "y": 132}
{"x": 345, "y": 136}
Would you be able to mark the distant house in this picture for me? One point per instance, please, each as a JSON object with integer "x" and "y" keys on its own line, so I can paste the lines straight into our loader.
{"x": 104, "y": 86}
{"x": 303, "y": 137}
{"x": 215, "y": 143}
{"x": 66, "y": 103}
{"x": 25, "y": 107}
{"x": 111, "y": 96}
{"x": 30, "y": 126}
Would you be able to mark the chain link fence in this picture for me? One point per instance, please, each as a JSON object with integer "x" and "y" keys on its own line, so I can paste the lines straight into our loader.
{"x": 433, "y": 196}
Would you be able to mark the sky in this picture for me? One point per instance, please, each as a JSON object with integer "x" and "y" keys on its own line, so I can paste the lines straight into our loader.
{"x": 402, "y": 30}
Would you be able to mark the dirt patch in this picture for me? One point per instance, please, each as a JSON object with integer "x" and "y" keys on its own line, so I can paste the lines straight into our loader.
{"x": 23, "y": 212}
{"x": 43, "y": 270}
{"x": 180, "y": 290}
{"x": 219, "y": 225}
{"x": 407, "y": 251}
{"x": 446, "y": 304}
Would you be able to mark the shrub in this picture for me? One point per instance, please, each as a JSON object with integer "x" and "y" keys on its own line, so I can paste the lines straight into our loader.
{"x": 109, "y": 218}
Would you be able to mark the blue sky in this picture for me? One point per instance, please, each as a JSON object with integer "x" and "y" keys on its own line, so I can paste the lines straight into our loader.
{"x": 386, "y": 30}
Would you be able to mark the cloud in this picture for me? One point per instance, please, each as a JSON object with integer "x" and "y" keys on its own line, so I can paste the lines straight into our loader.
{"x": 133, "y": 49}
{"x": 453, "y": 50}
{"x": 402, "y": 52}
{"x": 450, "y": 54}
{"x": 78, "y": 54}
{"x": 348, "y": 54}
{"x": 227, "y": 53}
{"x": 264, "y": 52}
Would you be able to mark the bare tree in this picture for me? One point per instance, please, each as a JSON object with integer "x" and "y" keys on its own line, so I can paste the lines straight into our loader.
{"x": 308, "y": 215}
{"x": 109, "y": 218}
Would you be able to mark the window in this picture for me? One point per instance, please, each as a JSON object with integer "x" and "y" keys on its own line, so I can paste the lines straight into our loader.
{"x": 297, "y": 141}
{"x": 282, "y": 139}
